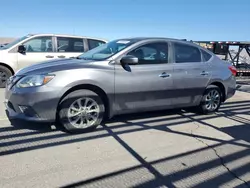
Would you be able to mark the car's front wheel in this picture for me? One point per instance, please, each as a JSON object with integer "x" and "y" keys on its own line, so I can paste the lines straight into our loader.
{"x": 211, "y": 100}
{"x": 5, "y": 73}
{"x": 81, "y": 110}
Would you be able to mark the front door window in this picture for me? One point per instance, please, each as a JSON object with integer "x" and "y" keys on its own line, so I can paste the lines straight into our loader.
{"x": 39, "y": 44}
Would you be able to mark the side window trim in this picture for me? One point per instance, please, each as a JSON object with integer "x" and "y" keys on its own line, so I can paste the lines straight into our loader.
{"x": 40, "y": 36}
{"x": 54, "y": 44}
{"x": 203, "y": 58}
{"x": 85, "y": 44}
{"x": 145, "y": 43}
{"x": 171, "y": 58}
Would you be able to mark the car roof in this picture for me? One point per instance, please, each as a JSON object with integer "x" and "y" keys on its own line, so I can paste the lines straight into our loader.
{"x": 66, "y": 35}
{"x": 150, "y": 38}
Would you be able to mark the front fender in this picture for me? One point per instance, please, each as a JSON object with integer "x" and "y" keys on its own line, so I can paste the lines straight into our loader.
{"x": 80, "y": 82}
{"x": 9, "y": 61}
{"x": 103, "y": 79}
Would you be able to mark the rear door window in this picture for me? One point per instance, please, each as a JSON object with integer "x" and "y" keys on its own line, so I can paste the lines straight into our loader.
{"x": 67, "y": 44}
{"x": 186, "y": 53}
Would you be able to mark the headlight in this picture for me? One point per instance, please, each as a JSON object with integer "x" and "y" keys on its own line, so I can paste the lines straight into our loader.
{"x": 34, "y": 80}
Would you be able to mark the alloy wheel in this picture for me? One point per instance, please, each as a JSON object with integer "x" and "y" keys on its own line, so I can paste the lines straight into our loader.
{"x": 83, "y": 112}
{"x": 212, "y": 100}
{"x": 3, "y": 77}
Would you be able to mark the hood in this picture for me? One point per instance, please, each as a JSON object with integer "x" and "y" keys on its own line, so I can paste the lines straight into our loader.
{"x": 54, "y": 65}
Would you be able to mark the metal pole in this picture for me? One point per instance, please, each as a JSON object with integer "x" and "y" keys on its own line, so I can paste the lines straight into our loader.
{"x": 247, "y": 47}
{"x": 226, "y": 56}
{"x": 237, "y": 55}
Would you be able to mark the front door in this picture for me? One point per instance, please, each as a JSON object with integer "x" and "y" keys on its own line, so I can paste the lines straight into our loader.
{"x": 191, "y": 75}
{"x": 38, "y": 49}
{"x": 146, "y": 86}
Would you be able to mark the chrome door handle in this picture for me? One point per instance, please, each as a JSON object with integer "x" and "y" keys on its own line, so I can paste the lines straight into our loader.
{"x": 49, "y": 56}
{"x": 61, "y": 56}
{"x": 203, "y": 73}
{"x": 164, "y": 75}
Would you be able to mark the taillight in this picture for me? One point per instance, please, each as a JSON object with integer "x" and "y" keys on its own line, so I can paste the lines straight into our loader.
{"x": 233, "y": 70}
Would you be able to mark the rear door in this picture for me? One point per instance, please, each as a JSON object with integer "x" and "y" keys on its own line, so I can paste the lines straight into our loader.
{"x": 67, "y": 47}
{"x": 191, "y": 74}
{"x": 146, "y": 86}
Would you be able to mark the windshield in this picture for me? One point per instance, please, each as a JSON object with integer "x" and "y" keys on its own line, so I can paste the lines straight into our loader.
{"x": 15, "y": 42}
{"x": 106, "y": 50}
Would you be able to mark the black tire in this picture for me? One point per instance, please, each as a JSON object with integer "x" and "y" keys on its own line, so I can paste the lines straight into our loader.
{"x": 5, "y": 73}
{"x": 69, "y": 100}
{"x": 203, "y": 108}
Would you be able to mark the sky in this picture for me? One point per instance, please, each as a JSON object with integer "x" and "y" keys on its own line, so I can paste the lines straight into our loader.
{"x": 112, "y": 19}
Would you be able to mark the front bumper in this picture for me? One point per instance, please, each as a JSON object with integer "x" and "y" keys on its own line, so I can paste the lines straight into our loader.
{"x": 32, "y": 104}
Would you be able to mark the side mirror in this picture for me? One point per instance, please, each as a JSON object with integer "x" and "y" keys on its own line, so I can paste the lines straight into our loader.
{"x": 21, "y": 49}
{"x": 130, "y": 60}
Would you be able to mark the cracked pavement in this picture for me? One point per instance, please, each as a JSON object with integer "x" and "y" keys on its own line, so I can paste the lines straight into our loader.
{"x": 221, "y": 159}
{"x": 175, "y": 148}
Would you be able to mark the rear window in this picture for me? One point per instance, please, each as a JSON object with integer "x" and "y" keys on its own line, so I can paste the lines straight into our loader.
{"x": 206, "y": 55}
{"x": 94, "y": 43}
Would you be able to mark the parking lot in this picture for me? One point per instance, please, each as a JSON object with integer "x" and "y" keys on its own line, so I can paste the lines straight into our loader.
{"x": 161, "y": 149}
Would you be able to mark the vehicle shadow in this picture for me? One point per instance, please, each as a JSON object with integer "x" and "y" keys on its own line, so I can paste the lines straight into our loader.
{"x": 18, "y": 124}
{"x": 36, "y": 132}
{"x": 29, "y": 136}
{"x": 238, "y": 132}
{"x": 158, "y": 168}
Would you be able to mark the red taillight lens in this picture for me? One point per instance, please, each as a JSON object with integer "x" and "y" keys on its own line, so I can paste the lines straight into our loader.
{"x": 233, "y": 70}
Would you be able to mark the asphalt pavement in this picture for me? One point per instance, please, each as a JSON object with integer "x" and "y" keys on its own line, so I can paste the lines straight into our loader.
{"x": 243, "y": 85}
{"x": 174, "y": 148}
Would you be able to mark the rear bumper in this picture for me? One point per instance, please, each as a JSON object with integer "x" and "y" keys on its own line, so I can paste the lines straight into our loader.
{"x": 230, "y": 93}
{"x": 231, "y": 88}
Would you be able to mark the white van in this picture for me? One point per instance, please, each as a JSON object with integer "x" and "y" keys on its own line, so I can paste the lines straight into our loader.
{"x": 35, "y": 48}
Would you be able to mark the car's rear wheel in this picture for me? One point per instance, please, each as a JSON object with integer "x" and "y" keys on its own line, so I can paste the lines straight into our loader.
{"x": 5, "y": 73}
{"x": 81, "y": 111}
{"x": 211, "y": 100}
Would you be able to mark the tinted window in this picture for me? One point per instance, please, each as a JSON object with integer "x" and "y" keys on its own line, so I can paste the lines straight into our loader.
{"x": 153, "y": 53}
{"x": 94, "y": 43}
{"x": 39, "y": 44}
{"x": 186, "y": 53}
{"x": 66, "y": 44}
{"x": 206, "y": 55}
